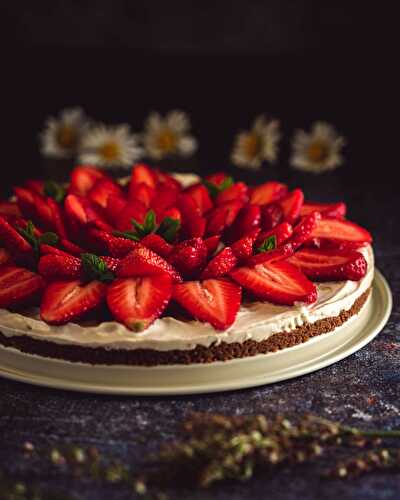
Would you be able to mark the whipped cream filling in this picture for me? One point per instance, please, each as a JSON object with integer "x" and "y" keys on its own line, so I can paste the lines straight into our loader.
{"x": 257, "y": 321}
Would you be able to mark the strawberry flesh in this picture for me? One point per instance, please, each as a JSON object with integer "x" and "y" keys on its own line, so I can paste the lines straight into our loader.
{"x": 268, "y": 193}
{"x": 337, "y": 229}
{"x": 334, "y": 210}
{"x": 303, "y": 230}
{"x": 83, "y": 178}
{"x": 19, "y": 287}
{"x": 279, "y": 253}
{"x": 291, "y": 205}
{"x": 220, "y": 265}
{"x": 243, "y": 248}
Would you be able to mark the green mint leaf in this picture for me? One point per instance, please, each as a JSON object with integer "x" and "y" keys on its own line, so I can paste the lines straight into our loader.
{"x": 129, "y": 235}
{"x": 225, "y": 184}
{"x": 168, "y": 229}
{"x": 95, "y": 268}
{"x": 49, "y": 239}
{"x": 268, "y": 244}
{"x": 55, "y": 191}
{"x": 29, "y": 234}
{"x": 150, "y": 222}
{"x": 214, "y": 189}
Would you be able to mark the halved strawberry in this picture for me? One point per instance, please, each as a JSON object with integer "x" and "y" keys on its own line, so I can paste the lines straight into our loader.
{"x": 278, "y": 253}
{"x": 65, "y": 301}
{"x": 60, "y": 267}
{"x": 220, "y": 265}
{"x": 268, "y": 193}
{"x": 25, "y": 202}
{"x": 282, "y": 233}
{"x": 81, "y": 212}
{"x": 142, "y": 261}
{"x": 193, "y": 224}
{"x": 142, "y": 192}
{"x": 167, "y": 180}
{"x": 35, "y": 185}
{"x": 243, "y": 248}
{"x": 165, "y": 197}
{"x": 334, "y": 244}
{"x": 156, "y": 243}
{"x": 200, "y": 195}
{"x": 58, "y": 224}
{"x": 337, "y": 229}
{"x": 44, "y": 213}
{"x": 106, "y": 243}
{"x": 303, "y": 230}
{"x": 103, "y": 189}
{"x": 214, "y": 301}
{"x": 5, "y": 257}
{"x": 222, "y": 217}
{"x": 277, "y": 282}
{"x": 271, "y": 216}
{"x": 83, "y": 178}
{"x": 134, "y": 209}
{"x": 51, "y": 250}
{"x": 137, "y": 302}
{"x": 19, "y": 287}
{"x": 238, "y": 191}
{"x": 291, "y": 205}
{"x": 334, "y": 210}
{"x": 9, "y": 208}
{"x": 189, "y": 257}
{"x": 330, "y": 265}
{"x": 143, "y": 173}
{"x": 115, "y": 205}
{"x": 70, "y": 247}
{"x": 12, "y": 240}
{"x": 212, "y": 244}
{"x": 247, "y": 219}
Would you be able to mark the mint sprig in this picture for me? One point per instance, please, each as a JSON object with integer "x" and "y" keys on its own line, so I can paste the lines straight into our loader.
{"x": 55, "y": 191}
{"x": 268, "y": 244}
{"x": 95, "y": 268}
{"x": 215, "y": 189}
{"x": 29, "y": 233}
{"x": 169, "y": 228}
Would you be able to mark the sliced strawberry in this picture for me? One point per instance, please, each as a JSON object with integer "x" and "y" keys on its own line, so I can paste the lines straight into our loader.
{"x": 50, "y": 250}
{"x": 60, "y": 267}
{"x": 279, "y": 253}
{"x": 303, "y": 230}
{"x": 142, "y": 192}
{"x": 65, "y": 301}
{"x": 26, "y": 202}
{"x": 220, "y": 265}
{"x": 271, "y": 216}
{"x": 137, "y": 302}
{"x": 5, "y": 257}
{"x": 44, "y": 214}
{"x": 142, "y": 261}
{"x": 193, "y": 224}
{"x": 81, "y": 212}
{"x": 165, "y": 197}
{"x": 238, "y": 191}
{"x": 200, "y": 195}
{"x": 75, "y": 210}
{"x": 243, "y": 248}
{"x": 291, "y": 205}
{"x": 268, "y": 193}
{"x": 334, "y": 210}
{"x": 19, "y": 287}
{"x": 70, "y": 247}
{"x": 277, "y": 282}
{"x": 103, "y": 189}
{"x": 282, "y": 233}
{"x": 143, "y": 173}
{"x": 83, "y": 178}
{"x": 115, "y": 205}
{"x": 247, "y": 219}
{"x": 330, "y": 265}
{"x": 212, "y": 244}
{"x": 337, "y": 229}
{"x": 214, "y": 301}
{"x": 9, "y": 208}
{"x": 189, "y": 257}
{"x": 57, "y": 218}
{"x": 222, "y": 217}
{"x": 167, "y": 180}
{"x": 134, "y": 209}
{"x": 156, "y": 243}
{"x": 35, "y": 186}
{"x": 334, "y": 244}
{"x": 12, "y": 240}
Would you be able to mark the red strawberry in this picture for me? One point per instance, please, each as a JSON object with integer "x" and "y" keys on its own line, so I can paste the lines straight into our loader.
{"x": 282, "y": 232}
{"x": 302, "y": 232}
{"x": 334, "y": 210}
{"x": 247, "y": 219}
{"x": 81, "y": 212}
{"x": 271, "y": 216}
{"x": 50, "y": 250}
{"x": 156, "y": 243}
{"x": 12, "y": 240}
{"x": 144, "y": 262}
{"x": 268, "y": 193}
{"x": 142, "y": 192}
{"x": 65, "y": 301}
{"x": 278, "y": 253}
{"x": 328, "y": 265}
{"x": 237, "y": 191}
{"x": 212, "y": 244}
{"x": 70, "y": 247}
{"x": 44, "y": 214}
{"x": 137, "y": 302}
{"x": 104, "y": 188}
{"x": 200, "y": 195}
{"x": 222, "y": 216}
{"x": 83, "y": 178}
{"x": 115, "y": 205}
{"x": 57, "y": 218}
{"x": 218, "y": 178}
{"x": 167, "y": 180}
{"x": 172, "y": 213}
{"x": 243, "y": 248}
{"x": 35, "y": 186}
{"x": 19, "y": 287}
{"x": 193, "y": 224}
{"x": 291, "y": 205}
{"x": 9, "y": 208}
{"x": 165, "y": 197}
{"x": 60, "y": 267}
{"x": 220, "y": 265}
{"x": 189, "y": 257}
{"x": 214, "y": 301}
{"x": 143, "y": 173}
{"x": 5, "y": 257}
{"x": 106, "y": 243}
{"x": 334, "y": 244}
{"x": 134, "y": 209}
{"x": 337, "y": 229}
{"x": 26, "y": 202}
{"x": 277, "y": 282}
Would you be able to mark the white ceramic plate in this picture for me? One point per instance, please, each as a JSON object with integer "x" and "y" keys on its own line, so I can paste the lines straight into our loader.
{"x": 262, "y": 369}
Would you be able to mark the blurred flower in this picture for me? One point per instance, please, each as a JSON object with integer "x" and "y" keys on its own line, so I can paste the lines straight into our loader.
{"x": 110, "y": 146}
{"x": 253, "y": 146}
{"x": 168, "y": 136}
{"x": 319, "y": 150}
{"x": 62, "y": 136}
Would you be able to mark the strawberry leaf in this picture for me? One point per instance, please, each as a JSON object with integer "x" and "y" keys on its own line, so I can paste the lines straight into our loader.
{"x": 55, "y": 191}
{"x": 31, "y": 237}
{"x": 129, "y": 235}
{"x": 149, "y": 225}
{"x": 95, "y": 268}
{"x": 49, "y": 239}
{"x": 169, "y": 228}
{"x": 215, "y": 189}
{"x": 268, "y": 244}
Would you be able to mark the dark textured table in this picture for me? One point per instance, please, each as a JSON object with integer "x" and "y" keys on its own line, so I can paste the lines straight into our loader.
{"x": 362, "y": 390}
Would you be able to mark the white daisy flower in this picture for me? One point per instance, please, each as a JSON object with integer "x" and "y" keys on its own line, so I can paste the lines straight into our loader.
{"x": 259, "y": 144}
{"x": 110, "y": 146}
{"x": 61, "y": 136}
{"x": 317, "y": 151}
{"x": 168, "y": 136}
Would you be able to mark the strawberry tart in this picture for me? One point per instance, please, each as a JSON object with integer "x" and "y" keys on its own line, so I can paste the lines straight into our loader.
{"x": 161, "y": 269}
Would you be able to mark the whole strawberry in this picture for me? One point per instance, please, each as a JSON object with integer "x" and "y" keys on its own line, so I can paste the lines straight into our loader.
{"x": 189, "y": 257}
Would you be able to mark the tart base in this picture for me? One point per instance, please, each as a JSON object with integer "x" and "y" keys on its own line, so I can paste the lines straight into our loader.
{"x": 148, "y": 357}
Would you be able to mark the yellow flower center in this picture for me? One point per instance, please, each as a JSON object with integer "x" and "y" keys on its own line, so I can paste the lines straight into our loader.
{"x": 167, "y": 141}
{"x": 66, "y": 137}
{"x": 317, "y": 151}
{"x": 110, "y": 151}
{"x": 251, "y": 145}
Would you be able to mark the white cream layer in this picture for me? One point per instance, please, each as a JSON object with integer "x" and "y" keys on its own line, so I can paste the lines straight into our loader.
{"x": 257, "y": 321}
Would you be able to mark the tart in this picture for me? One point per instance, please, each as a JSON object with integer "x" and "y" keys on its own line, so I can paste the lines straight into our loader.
{"x": 173, "y": 269}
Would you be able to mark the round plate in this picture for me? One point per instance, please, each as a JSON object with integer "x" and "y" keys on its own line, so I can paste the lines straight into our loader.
{"x": 262, "y": 369}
